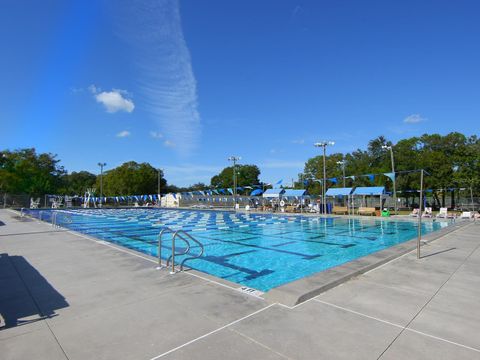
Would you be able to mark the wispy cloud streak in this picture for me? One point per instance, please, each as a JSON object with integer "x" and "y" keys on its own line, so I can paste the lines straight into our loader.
{"x": 152, "y": 28}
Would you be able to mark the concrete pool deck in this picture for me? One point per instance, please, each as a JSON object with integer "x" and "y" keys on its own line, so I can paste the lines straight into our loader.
{"x": 68, "y": 297}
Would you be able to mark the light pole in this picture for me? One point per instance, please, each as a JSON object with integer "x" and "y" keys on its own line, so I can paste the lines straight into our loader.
{"x": 388, "y": 147}
{"x": 1, "y": 187}
{"x": 101, "y": 181}
{"x": 234, "y": 159}
{"x": 342, "y": 163}
{"x": 324, "y": 144}
{"x": 158, "y": 188}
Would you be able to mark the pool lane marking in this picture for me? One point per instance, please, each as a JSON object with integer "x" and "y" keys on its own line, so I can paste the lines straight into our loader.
{"x": 397, "y": 325}
{"x": 212, "y": 332}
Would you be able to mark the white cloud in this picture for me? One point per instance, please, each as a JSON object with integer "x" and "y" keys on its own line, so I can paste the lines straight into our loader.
{"x": 414, "y": 119}
{"x": 156, "y": 135}
{"x": 169, "y": 143}
{"x": 115, "y": 101}
{"x": 123, "y": 134}
{"x": 153, "y": 29}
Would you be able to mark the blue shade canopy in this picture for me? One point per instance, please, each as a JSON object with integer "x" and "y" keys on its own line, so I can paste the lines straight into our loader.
{"x": 273, "y": 193}
{"x": 369, "y": 190}
{"x": 339, "y": 191}
{"x": 294, "y": 193}
{"x": 256, "y": 192}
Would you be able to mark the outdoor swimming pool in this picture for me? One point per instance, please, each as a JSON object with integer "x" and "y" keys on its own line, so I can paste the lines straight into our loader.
{"x": 261, "y": 251}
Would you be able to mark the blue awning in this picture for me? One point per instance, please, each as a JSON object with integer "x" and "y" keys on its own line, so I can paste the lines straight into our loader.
{"x": 294, "y": 193}
{"x": 273, "y": 193}
{"x": 339, "y": 191}
{"x": 369, "y": 190}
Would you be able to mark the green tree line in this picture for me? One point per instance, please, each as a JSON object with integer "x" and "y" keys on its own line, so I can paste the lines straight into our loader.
{"x": 452, "y": 161}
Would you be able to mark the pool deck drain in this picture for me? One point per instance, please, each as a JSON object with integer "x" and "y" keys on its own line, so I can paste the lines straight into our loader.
{"x": 65, "y": 297}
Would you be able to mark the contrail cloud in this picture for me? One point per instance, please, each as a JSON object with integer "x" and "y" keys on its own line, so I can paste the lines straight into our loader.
{"x": 167, "y": 85}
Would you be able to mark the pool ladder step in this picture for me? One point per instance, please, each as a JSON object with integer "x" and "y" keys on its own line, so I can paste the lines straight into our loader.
{"x": 186, "y": 238}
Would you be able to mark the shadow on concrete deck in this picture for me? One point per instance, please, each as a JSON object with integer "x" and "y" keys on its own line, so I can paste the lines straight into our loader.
{"x": 25, "y": 295}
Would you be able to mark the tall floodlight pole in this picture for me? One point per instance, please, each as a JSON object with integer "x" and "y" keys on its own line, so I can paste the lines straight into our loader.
{"x": 419, "y": 237}
{"x": 324, "y": 144}
{"x": 387, "y": 147}
{"x": 342, "y": 163}
{"x": 158, "y": 188}
{"x": 234, "y": 159}
{"x": 101, "y": 180}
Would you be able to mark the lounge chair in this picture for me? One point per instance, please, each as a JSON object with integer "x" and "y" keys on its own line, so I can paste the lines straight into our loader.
{"x": 427, "y": 213}
{"x": 414, "y": 213}
{"x": 34, "y": 203}
{"x": 366, "y": 211}
{"x": 443, "y": 213}
{"x": 466, "y": 215}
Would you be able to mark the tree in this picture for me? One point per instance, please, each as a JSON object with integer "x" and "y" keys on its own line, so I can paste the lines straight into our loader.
{"x": 131, "y": 178}
{"x": 314, "y": 171}
{"x": 25, "y": 171}
{"x": 77, "y": 183}
{"x": 246, "y": 175}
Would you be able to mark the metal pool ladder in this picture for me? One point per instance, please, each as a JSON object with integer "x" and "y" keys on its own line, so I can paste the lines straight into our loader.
{"x": 186, "y": 238}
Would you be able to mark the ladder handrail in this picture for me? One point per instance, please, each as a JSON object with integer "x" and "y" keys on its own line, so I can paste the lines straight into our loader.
{"x": 172, "y": 257}
{"x": 184, "y": 236}
{"x": 160, "y": 234}
{"x": 202, "y": 249}
{"x": 67, "y": 218}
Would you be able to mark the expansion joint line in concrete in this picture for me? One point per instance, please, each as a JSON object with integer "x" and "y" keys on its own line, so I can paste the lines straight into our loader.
{"x": 212, "y": 332}
{"x": 428, "y": 302}
{"x": 396, "y": 325}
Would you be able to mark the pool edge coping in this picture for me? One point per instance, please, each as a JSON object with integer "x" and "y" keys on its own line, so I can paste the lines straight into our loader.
{"x": 299, "y": 291}
{"x": 287, "y": 294}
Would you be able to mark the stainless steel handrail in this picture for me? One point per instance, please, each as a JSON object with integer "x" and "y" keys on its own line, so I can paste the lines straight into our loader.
{"x": 66, "y": 215}
{"x": 202, "y": 249}
{"x": 53, "y": 219}
{"x": 172, "y": 257}
{"x": 184, "y": 236}
{"x": 160, "y": 234}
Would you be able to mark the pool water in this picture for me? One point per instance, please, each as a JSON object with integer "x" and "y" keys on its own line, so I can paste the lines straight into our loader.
{"x": 261, "y": 251}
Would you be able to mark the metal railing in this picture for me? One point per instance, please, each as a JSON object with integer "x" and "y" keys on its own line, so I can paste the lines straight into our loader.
{"x": 185, "y": 237}
{"x": 67, "y": 218}
{"x": 160, "y": 234}
{"x": 202, "y": 249}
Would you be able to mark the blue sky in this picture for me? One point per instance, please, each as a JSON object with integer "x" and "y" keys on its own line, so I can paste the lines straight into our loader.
{"x": 184, "y": 85}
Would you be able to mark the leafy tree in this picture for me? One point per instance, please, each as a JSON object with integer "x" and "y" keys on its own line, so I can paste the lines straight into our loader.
{"x": 25, "y": 171}
{"x": 452, "y": 160}
{"x": 246, "y": 175}
{"x": 131, "y": 178}
{"x": 77, "y": 183}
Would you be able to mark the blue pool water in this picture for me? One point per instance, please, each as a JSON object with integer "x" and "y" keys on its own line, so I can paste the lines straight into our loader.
{"x": 261, "y": 251}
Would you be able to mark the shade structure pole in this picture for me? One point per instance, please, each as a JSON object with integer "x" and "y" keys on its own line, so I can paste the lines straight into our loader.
{"x": 324, "y": 145}
{"x": 324, "y": 181}
{"x": 419, "y": 238}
